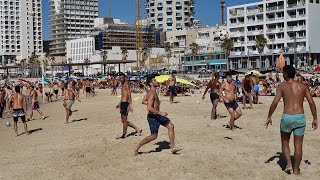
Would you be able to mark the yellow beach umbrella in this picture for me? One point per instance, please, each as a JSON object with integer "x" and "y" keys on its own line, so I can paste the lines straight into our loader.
{"x": 162, "y": 78}
{"x": 184, "y": 81}
{"x": 254, "y": 72}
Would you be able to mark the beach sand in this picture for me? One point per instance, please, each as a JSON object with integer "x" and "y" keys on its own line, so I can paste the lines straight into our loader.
{"x": 88, "y": 147}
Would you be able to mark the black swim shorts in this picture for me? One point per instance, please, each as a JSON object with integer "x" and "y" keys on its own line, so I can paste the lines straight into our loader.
{"x": 155, "y": 121}
{"x": 88, "y": 89}
{"x": 124, "y": 108}
{"x": 172, "y": 89}
{"x": 214, "y": 96}
{"x": 232, "y": 105}
{"x": 19, "y": 113}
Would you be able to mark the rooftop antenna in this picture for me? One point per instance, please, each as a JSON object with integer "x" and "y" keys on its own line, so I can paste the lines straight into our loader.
{"x": 222, "y": 6}
{"x": 110, "y": 8}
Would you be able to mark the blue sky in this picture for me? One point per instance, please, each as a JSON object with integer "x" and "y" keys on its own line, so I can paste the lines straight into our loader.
{"x": 208, "y": 11}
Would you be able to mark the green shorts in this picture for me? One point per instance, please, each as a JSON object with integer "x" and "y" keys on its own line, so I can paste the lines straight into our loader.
{"x": 295, "y": 123}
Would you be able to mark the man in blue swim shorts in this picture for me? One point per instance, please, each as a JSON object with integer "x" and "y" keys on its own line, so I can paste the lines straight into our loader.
{"x": 293, "y": 119}
{"x": 156, "y": 117}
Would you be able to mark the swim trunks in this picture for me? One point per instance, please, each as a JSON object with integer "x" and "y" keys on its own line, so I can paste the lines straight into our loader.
{"x": 19, "y": 113}
{"x": 56, "y": 91}
{"x": 114, "y": 88}
{"x": 88, "y": 90}
{"x": 124, "y": 108}
{"x": 232, "y": 104}
{"x": 155, "y": 121}
{"x": 69, "y": 103}
{"x": 256, "y": 88}
{"x": 35, "y": 105}
{"x": 295, "y": 123}
{"x": 248, "y": 89}
{"x": 214, "y": 96}
{"x": 172, "y": 89}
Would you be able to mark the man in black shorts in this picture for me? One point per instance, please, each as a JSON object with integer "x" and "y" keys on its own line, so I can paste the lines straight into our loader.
{"x": 214, "y": 86}
{"x": 125, "y": 106}
{"x": 156, "y": 117}
{"x": 16, "y": 103}
{"x": 229, "y": 88}
{"x": 247, "y": 89}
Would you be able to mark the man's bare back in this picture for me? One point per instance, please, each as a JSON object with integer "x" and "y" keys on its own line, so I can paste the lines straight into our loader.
{"x": 17, "y": 100}
{"x": 293, "y": 89}
{"x": 34, "y": 95}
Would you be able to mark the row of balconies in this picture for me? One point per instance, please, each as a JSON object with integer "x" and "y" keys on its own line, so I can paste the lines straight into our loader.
{"x": 241, "y": 12}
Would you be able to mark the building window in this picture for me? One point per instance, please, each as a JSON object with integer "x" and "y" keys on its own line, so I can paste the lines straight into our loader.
{"x": 317, "y": 1}
{"x": 311, "y": 1}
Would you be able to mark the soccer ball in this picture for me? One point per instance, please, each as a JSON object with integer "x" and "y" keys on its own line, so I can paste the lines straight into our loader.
{"x": 223, "y": 34}
{"x": 8, "y": 124}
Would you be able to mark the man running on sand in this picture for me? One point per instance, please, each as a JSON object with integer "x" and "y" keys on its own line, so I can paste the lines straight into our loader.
{"x": 172, "y": 87}
{"x": 229, "y": 88}
{"x": 293, "y": 119}
{"x": 34, "y": 103}
{"x": 16, "y": 103}
{"x": 69, "y": 98}
{"x": 247, "y": 89}
{"x": 56, "y": 89}
{"x": 214, "y": 86}
{"x": 125, "y": 106}
{"x": 156, "y": 117}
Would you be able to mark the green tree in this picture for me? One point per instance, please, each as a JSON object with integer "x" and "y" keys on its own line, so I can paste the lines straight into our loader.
{"x": 104, "y": 55}
{"x": 194, "y": 49}
{"x": 227, "y": 45}
{"x": 261, "y": 43}
{"x": 34, "y": 64}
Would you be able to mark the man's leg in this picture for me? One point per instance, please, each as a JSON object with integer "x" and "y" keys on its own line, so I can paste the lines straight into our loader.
{"x": 298, "y": 141}
{"x": 214, "y": 109}
{"x": 257, "y": 97}
{"x": 285, "y": 139}
{"x": 25, "y": 125}
{"x": 31, "y": 114}
{"x": 250, "y": 100}
{"x": 232, "y": 118}
{"x": 124, "y": 125}
{"x": 67, "y": 115}
{"x": 238, "y": 113}
{"x": 15, "y": 127}
{"x": 41, "y": 114}
{"x": 244, "y": 101}
{"x": 146, "y": 140}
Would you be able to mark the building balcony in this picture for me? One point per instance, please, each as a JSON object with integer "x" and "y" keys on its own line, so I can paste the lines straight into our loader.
{"x": 296, "y": 5}
{"x": 254, "y": 33}
{"x": 255, "y": 11}
{"x": 178, "y": 4}
{"x": 274, "y": 30}
{"x": 169, "y": 21}
{"x": 275, "y": 8}
{"x": 169, "y": 10}
{"x": 178, "y": 15}
{"x": 159, "y": 5}
{"x": 236, "y": 34}
{"x": 296, "y": 28}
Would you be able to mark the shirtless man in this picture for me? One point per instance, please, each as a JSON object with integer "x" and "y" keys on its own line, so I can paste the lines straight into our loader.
{"x": 16, "y": 103}
{"x": 125, "y": 106}
{"x": 113, "y": 84}
{"x": 255, "y": 82}
{"x": 214, "y": 86}
{"x": 247, "y": 89}
{"x": 34, "y": 103}
{"x": 293, "y": 119}
{"x": 172, "y": 87}
{"x": 56, "y": 89}
{"x": 69, "y": 98}
{"x": 229, "y": 88}
{"x": 156, "y": 117}
{"x": 2, "y": 101}
{"x": 87, "y": 88}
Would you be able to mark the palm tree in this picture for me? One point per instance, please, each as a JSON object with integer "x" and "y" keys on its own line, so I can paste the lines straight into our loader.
{"x": 261, "y": 43}
{"x": 52, "y": 62}
{"x": 227, "y": 45}
{"x": 34, "y": 63}
{"x": 104, "y": 55}
{"x": 168, "y": 49}
{"x": 194, "y": 48}
{"x": 145, "y": 55}
{"x": 124, "y": 53}
{"x": 87, "y": 60}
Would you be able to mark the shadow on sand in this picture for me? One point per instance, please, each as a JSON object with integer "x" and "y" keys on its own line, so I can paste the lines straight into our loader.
{"x": 31, "y": 131}
{"x": 282, "y": 162}
{"x": 228, "y": 126}
{"x": 161, "y": 146}
{"x": 78, "y": 120}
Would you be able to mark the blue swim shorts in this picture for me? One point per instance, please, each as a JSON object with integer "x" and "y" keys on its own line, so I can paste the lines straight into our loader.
{"x": 155, "y": 121}
{"x": 256, "y": 88}
{"x": 295, "y": 123}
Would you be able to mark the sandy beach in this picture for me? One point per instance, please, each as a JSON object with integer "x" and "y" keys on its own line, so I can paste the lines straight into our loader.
{"x": 88, "y": 147}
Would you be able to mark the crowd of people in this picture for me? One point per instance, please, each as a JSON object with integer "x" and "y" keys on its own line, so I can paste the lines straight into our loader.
{"x": 229, "y": 91}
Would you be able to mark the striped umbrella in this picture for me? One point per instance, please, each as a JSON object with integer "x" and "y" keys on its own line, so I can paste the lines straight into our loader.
{"x": 281, "y": 61}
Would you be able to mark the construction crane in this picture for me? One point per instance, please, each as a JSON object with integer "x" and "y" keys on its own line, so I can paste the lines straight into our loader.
{"x": 222, "y": 6}
{"x": 138, "y": 8}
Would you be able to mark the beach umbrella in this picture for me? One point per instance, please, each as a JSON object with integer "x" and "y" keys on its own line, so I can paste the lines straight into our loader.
{"x": 102, "y": 80}
{"x": 184, "y": 81}
{"x": 281, "y": 61}
{"x": 162, "y": 78}
{"x": 316, "y": 70}
{"x": 254, "y": 72}
{"x": 102, "y": 76}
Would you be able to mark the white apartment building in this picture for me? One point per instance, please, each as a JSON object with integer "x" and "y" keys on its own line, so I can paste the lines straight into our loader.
{"x": 21, "y": 30}
{"x": 70, "y": 19}
{"x": 170, "y": 15}
{"x": 80, "y": 49}
{"x": 290, "y": 26}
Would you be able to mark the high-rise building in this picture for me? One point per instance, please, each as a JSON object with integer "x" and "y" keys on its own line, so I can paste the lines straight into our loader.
{"x": 21, "y": 29}
{"x": 170, "y": 15}
{"x": 290, "y": 27}
{"x": 70, "y": 19}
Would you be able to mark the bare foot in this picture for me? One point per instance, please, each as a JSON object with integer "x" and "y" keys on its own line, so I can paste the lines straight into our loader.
{"x": 139, "y": 132}
{"x": 123, "y": 136}
{"x": 27, "y": 133}
{"x": 66, "y": 122}
{"x": 175, "y": 150}
{"x": 43, "y": 118}
{"x": 288, "y": 169}
{"x": 296, "y": 172}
